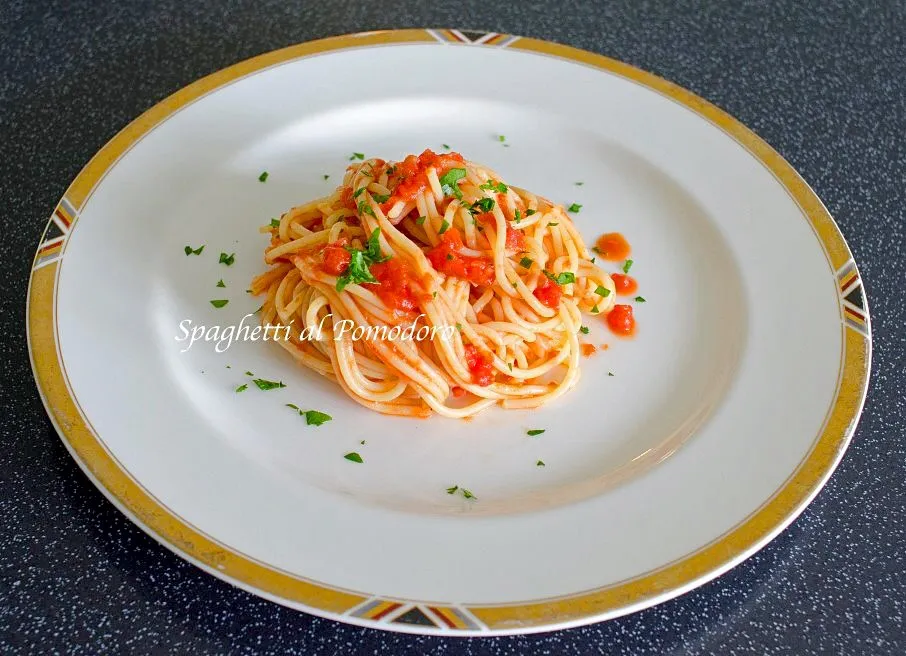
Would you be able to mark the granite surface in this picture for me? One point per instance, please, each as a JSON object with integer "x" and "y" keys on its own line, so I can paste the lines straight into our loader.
{"x": 823, "y": 84}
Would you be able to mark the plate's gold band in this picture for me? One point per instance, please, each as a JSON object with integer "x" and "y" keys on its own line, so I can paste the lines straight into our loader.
{"x": 322, "y": 599}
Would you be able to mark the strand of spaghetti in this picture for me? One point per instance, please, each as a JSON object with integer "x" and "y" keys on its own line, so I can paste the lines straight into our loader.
{"x": 348, "y": 369}
{"x": 314, "y": 239}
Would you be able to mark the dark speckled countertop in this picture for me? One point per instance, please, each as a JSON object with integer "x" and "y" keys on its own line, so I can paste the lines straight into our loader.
{"x": 826, "y": 86}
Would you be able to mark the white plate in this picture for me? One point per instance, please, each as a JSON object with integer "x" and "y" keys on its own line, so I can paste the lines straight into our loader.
{"x": 724, "y": 416}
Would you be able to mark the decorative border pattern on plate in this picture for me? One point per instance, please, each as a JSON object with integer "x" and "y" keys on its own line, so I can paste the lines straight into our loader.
{"x": 451, "y": 618}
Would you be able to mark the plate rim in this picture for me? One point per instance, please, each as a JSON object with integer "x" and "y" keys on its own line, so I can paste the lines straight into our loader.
{"x": 671, "y": 580}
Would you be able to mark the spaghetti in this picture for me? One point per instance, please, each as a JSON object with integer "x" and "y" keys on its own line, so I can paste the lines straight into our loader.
{"x": 433, "y": 241}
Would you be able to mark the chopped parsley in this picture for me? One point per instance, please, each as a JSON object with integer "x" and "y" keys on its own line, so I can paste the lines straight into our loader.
{"x": 564, "y": 278}
{"x": 326, "y": 176}
{"x": 352, "y": 456}
{"x": 610, "y": 373}
{"x": 627, "y": 266}
{"x": 359, "y": 261}
{"x": 358, "y": 192}
{"x": 227, "y": 259}
{"x": 242, "y": 388}
{"x": 220, "y": 283}
{"x": 535, "y": 431}
{"x": 575, "y": 207}
{"x": 510, "y": 365}
{"x": 444, "y": 226}
{"x": 595, "y": 309}
{"x": 552, "y": 225}
{"x": 263, "y": 177}
{"x": 219, "y": 303}
{"x": 579, "y": 184}
{"x": 391, "y": 170}
{"x": 294, "y": 407}
{"x": 421, "y": 220}
{"x": 275, "y": 223}
{"x": 640, "y": 299}
{"x": 362, "y": 442}
{"x": 267, "y": 384}
{"x": 501, "y": 138}
{"x": 316, "y": 418}
{"x": 602, "y": 291}
{"x": 517, "y": 217}
{"x": 482, "y": 205}
{"x": 540, "y": 463}
{"x": 468, "y": 494}
{"x": 448, "y": 182}
{"x": 356, "y": 156}
{"x": 459, "y": 327}
{"x": 194, "y": 251}
{"x": 446, "y": 146}
{"x": 592, "y": 260}
{"x": 365, "y": 208}
{"x": 526, "y": 262}
{"x": 449, "y": 257}
{"x": 584, "y": 330}
{"x": 452, "y": 490}
{"x": 249, "y": 373}
{"x": 530, "y": 212}
{"x": 381, "y": 198}
{"x": 491, "y": 185}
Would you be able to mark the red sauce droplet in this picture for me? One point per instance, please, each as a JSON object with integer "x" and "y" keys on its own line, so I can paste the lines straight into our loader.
{"x": 548, "y": 292}
{"x": 397, "y": 284}
{"x": 613, "y": 246}
{"x": 588, "y": 349}
{"x": 446, "y": 259}
{"x": 336, "y": 257}
{"x": 625, "y": 285}
{"x": 604, "y": 347}
{"x": 412, "y": 174}
{"x": 458, "y": 392}
{"x": 479, "y": 366}
{"x": 621, "y": 321}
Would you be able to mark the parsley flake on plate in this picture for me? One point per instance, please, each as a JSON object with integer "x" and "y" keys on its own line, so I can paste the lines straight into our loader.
{"x": 535, "y": 431}
{"x": 574, "y": 208}
{"x": 352, "y": 456}
{"x": 227, "y": 259}
{"x": 219, "y": 303}
{"x": 194, "y": 251}
{"x": 268, "y": 384}
{"x": 263, "y": 177}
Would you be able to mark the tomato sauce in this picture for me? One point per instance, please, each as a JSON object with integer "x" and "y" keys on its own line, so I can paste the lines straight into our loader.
{"x": 458, "y": 392}
{"x": 621, "y": 321}
{"x": 548, "y": 292}
{"x": 625, "y": 285}
{"x": 397, "y": 284}
{"x": 347, "y": 199}
{"x": 412, "y": 174}
{"x": 446, "y": 259}
{"x": 613, "y": 246}
{"x": 588, "y": 349}
{"x": 480, "y": 366}
{"x": 335, "y": 257}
